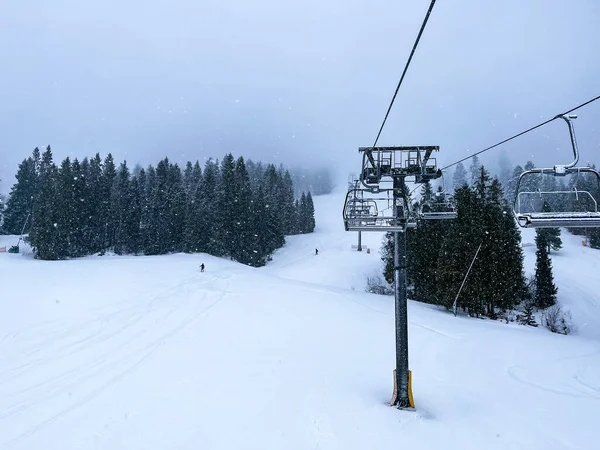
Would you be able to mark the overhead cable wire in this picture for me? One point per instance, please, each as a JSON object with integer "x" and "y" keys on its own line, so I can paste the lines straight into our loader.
{"x": 405, "y": 69}
{"x": 516, "y": 136}
{"x": 522, "y": 133}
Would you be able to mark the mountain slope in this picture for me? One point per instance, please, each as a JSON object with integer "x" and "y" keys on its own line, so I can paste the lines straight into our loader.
{"x": 148, "y": 353}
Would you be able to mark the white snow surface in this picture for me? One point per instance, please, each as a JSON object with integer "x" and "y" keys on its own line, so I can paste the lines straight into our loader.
{"x": 148, "y": 353}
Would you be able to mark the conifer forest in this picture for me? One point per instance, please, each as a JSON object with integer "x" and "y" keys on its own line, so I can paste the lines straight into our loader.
{"x": 230, "y": 208}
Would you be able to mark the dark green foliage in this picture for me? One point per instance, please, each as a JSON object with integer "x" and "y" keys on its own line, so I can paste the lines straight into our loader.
{"x": 457, "y": 251}
{"x": 207, "y": 211}
{"x": 440, "y": 252}
{"x": 125, "y": 210}
{"x": 387, "y": 256}
{"x": 527, "y": 318}
{"x": 195, "y": 226}
{"x": 595, "y": 238}
{"x": 93, "y": 220}
{"x": 423, "y": 248}
{"x": 44, "y": 233}
{"x": 228, "y": 207}
{"x": 306, "y": 214}
{"x": 551, "y": 236}
{"x": 289, "y": 213}
{"x": 107, "y": 219}
{"x": 93, "y": 207}
{"x": 275, "y": 237}
{"x": 244, "y": 247}
{"x": 22, "y": 196}
{"x": 545, "y": 290}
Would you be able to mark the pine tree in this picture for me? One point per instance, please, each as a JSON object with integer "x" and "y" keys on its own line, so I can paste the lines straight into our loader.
{"x": 309, "y": 214}
{"x": 259, "y": 243}
{"x": 504, "y": 264}
{"x": 458, "y": 248}
{"x": 43, "y": 235}
{"x": 94, "y": 229}
{"x": 302, "y": 214}
{"x": 545, "y": 292}
{"x": 529, "y": 183}
{"x": 195, "y": 228}
{"x": 107, "y": 218}
{"x": 175, "y": 209}
{"x": 228, "y": 206}
{"x": 154, "y": 199}
{"x": 528, "y": 317}
{"x": 423, "y": 248}
{"x": 132, "y": 225}
{"x": 551, "y": 236}
{"x": 496, "y": 279}
{"x": 595, "y": 238}
{"x": 256, "y": 172}
{"x": 243, "y": 231}
{"x": 21, "y": 199}
{"x": 161, "y": 234}
{"x": 511, "y": 187}
{"x": 139, "y": 183}
{"x": 387, "y": 256}
{"x": 67, "y": 210}
{"x": 275, "y": 237}
{"x": 289, "y": 217}
{"x": 78, "y": 245}
{"x": 474, "y": 170}
{"x": 210, "y": 210}
{"x": 121, "y": 202}
{"x": 459, "y": 179}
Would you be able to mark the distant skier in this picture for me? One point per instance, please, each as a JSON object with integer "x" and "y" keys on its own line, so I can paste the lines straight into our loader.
{"x": 316, "y": 251}
{"x": 202, "y": 267}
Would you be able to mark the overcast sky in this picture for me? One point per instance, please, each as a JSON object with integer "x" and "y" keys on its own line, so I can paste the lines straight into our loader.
{"x": 299, "y": 82}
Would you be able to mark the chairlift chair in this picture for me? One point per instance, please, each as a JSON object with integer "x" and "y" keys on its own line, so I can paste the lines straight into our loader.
{"x": 439, "y": 209}
{"x": 373, "y": 212}
{"x": 581, "y": 206}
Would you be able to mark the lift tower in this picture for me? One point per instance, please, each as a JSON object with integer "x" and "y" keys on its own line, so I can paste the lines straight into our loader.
{"x": 381, "y": 204}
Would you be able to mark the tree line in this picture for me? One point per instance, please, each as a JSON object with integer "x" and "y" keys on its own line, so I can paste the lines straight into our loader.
{"x": 439, "y": 252}
{"x": 228, "y": 208}
{"x": 572, "y": 196}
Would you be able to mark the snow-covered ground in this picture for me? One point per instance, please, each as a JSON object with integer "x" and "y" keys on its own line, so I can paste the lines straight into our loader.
{"x": 147, "y": 353}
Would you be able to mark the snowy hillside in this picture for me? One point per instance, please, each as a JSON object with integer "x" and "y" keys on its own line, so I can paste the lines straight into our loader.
{"x": 576, "y": 271}
{"x": 148, "y": 353}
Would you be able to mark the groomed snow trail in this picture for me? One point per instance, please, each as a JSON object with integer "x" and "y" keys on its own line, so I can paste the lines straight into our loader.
{"x": 148, "y": 353}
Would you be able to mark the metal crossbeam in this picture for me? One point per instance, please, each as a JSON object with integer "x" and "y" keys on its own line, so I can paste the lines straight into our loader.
{"x": 558, "y": 220}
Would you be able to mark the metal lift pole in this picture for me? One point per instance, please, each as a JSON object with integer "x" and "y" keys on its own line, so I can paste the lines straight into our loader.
{"x": 400, "y": 301}
{"x": 359, "y": 244}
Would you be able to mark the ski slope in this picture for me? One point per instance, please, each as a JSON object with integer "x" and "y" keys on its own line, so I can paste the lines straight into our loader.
{"x": 148, "y": 353}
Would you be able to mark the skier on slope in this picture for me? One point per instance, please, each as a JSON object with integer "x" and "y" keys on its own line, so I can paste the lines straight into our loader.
{"x": 202, "y": 267}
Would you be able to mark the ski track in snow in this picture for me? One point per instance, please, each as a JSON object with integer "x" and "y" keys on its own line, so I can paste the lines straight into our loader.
{"x": 113, "y": 363}
{"x": 522, "y": 375}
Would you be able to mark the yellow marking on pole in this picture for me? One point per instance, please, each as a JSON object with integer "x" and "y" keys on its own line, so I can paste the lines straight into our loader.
{"x": 410, "y": 396}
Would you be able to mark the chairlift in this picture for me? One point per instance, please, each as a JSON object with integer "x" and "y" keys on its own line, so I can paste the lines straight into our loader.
{"x": 367, "y": 211}
{"x": 538, "y": 207}
{"x": 439, "y": 208}
{"x": 388, "y": 163}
